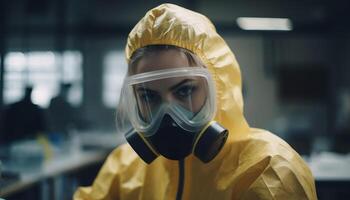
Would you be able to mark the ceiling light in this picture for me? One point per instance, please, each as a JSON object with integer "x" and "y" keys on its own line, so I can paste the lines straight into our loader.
{"x": 267, "y": 24}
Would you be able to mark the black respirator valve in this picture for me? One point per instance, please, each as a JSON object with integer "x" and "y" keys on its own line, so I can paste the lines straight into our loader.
{"x": 211, "y": 142}
{"x": 140, "y": 146}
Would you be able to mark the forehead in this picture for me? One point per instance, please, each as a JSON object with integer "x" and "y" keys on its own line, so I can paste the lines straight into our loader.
{"x": 162, "y": 60}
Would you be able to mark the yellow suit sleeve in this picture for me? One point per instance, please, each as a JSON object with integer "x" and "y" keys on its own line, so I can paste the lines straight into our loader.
{"x": 106, "y": 184}
{"x": 282, "y": 180}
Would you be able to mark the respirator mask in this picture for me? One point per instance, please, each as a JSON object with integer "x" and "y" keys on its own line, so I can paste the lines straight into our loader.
{"x": 171, "y": 112}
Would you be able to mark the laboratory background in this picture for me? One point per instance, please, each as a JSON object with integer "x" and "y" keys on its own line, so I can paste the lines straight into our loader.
{"x": 62, "y": 66}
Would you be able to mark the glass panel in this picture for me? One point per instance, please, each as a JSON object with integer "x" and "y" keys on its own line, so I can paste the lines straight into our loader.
{"x": 12, "y": 95}
{"x": 114, "y": 71}
{"x": 72, "y": 66}
{"x": 41, "y": 61}
{"x": 13, "y": 76}
{"x": 44, "y": 73}
{"x": 15, "y": 61}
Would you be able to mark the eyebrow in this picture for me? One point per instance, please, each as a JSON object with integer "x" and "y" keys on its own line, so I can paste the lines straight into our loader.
{"x": 142, "y": 89}
{"x": 174, "y": 87}
{"x": 181, "y": 83}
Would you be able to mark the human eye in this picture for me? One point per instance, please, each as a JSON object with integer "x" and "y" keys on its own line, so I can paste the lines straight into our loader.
{"x": 148, "y": 96}
{"x": 185, "y": 91}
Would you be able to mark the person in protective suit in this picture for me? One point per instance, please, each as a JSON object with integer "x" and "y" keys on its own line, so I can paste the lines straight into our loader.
{"x": 182, "y": 113}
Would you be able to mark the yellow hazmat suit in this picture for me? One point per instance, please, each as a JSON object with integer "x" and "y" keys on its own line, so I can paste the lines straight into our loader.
{"x": 253, "y": 164}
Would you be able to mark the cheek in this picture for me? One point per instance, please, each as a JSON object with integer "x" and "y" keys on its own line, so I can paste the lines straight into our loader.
{"x": 144, "y": 110}
{"x": 199, "y": 100}
{"x": 201, "y": 96}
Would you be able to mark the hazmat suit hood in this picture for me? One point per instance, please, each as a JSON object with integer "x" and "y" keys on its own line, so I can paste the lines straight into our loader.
{"x": 253, "y": 164}
{"x": 169, "y": 24}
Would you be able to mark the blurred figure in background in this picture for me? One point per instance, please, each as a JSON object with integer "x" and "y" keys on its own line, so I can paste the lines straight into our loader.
{"x": 61, "y": 112}
{"x": 23, "y": 119}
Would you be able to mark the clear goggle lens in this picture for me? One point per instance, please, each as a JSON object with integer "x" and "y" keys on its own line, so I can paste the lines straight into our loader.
{"x": 188, "y": 98}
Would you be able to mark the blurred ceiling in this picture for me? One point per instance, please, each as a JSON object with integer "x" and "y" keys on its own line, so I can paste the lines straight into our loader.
{"x": 113, "y": 17}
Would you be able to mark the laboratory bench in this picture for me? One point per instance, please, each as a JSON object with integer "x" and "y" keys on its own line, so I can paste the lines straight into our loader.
{"x": 58, "y": 177}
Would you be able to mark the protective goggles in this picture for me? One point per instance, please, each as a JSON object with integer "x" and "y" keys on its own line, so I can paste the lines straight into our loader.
{"x": 186, "y": 94}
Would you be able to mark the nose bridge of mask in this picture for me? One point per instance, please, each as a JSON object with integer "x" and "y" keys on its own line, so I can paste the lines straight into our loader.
{"x": 180, "y": 111}
{"x": 183, "y": 116}
{"x": 176, "y": 111}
